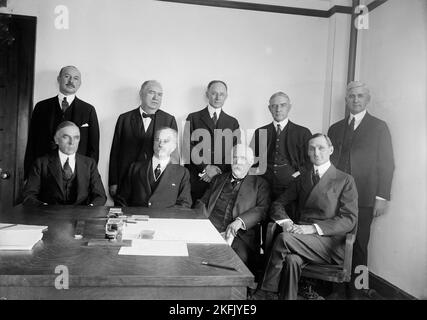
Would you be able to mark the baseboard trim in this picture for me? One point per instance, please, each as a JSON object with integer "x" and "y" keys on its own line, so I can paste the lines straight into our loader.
{"x": 388, "y": 290}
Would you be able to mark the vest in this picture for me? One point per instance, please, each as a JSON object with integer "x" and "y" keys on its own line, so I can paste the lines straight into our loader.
{"x": 153, "y": 183}
{"x": 279, "y": 169}
{"x": 146, "y": 151}
{"x": 70, "y": 188}
{"x": 222, "y": 214}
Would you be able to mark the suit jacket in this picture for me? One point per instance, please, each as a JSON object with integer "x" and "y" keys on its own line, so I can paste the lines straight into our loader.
{"x": 331, "y": 203}
{"x": 45, "y": 183}
{"x": 128, "y": 142}
{"x": 371, "y": 157}
{"x": 47, "y": 115}
{"x": 202, "y": 120}
{"x": 296, "y": 144}
{"x": 173, "y": 189}
{"x": 251, "y": 205}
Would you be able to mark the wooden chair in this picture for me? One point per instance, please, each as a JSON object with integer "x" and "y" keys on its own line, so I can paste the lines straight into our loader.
{"x": 328, "y": 272}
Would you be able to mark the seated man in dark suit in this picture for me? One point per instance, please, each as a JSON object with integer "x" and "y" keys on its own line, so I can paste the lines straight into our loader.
{"x": 327, "y": 209}
{"x": 235, "y": 203}
{"x": 157, "y": 183}
{"x": 64, "y": 176}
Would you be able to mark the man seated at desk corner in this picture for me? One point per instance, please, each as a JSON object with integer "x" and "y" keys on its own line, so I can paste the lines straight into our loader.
{"x": 327, "y": 209}
{"x": 64, "y": 177}
{"x": 157, "y": 183}
{"x": 236, "y": 202}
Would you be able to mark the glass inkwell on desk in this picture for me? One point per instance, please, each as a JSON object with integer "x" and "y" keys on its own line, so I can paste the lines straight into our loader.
{"x": 114, "y": 229}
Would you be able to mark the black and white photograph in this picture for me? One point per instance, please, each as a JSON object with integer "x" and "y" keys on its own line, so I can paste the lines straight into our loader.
{"x": 238, "y": 153}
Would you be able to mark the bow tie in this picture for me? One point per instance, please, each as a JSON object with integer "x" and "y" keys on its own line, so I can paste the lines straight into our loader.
{"x": 235, "y": 180}
{"x": 146, "y": 115}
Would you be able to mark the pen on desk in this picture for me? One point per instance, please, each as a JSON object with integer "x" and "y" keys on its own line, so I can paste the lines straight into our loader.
{"x": 218, "y": 266}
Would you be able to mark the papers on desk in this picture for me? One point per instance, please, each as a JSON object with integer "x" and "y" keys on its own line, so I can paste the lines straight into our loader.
{"x": 19, "y": 236}
{"x": 168, "y": 237}
{"x": 186, "y": 230}
{"x": 142, "y": 247}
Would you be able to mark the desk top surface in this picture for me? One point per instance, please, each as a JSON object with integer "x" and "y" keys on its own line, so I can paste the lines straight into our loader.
{"x": 101, "y": 265}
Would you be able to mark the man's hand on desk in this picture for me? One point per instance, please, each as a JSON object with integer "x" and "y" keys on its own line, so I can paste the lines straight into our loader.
{"x": 113, "y": 190}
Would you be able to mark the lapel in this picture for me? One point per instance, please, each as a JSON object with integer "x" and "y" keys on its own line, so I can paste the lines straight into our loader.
{"x": 217, "y": 189}
{"x": 322, "y": 186}
{"x": 135, "y": 120}
{"x": 205, "y": 117}
{"x": 363, "y": 126}
{"x": 166, "y": 177}
{"x": 146, "y": 169}
{"x": 270, "y": 135}
{"x": 80, "y": 170}
{"x": 54, "y": 167}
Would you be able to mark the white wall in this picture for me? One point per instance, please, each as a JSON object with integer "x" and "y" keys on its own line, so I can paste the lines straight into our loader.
{"x": 393, "y": 64}
{"x": 119, "y": 44}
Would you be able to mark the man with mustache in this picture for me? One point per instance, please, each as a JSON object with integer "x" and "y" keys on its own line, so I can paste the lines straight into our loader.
{"x": 66, "y": 106}
{"x": 134, "y": 134}
{"x": 235, "y": 203}
{"x": 285, "y": 149}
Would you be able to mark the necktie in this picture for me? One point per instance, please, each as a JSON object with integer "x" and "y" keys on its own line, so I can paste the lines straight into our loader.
{"x": 279, "y": 129}
{"x": 214, "y": 118}
{"x": 157, "y": 172}
{"x": 235, "y": 181}
{"x": 64, "y": 104}
{"x": 146, "y": 115}
{"x": 351, "y": 125}
{"x": 68, "y": 173}
{"x": 316, "y": 177}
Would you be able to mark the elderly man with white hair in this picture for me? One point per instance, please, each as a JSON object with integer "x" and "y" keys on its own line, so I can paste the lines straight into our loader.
{"x": 236, "y": 202}
{"x": 363, "y": 149}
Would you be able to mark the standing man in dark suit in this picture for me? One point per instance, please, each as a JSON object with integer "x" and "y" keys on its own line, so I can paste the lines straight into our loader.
{"x": 49, "y": 113}
{"x": 327, "y": 209}
{"x": 210, "y": 134}
{"x": 364, "y": 150}
{"x": 157, "y": 183}
{"x": 285, "y": 150}
{"x": 134, "y": 134}
{"x": 64, "y": 176}
{"x": 235, "y": 203}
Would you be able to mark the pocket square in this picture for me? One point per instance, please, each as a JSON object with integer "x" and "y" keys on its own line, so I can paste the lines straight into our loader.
{"x": 84, "y": 125}
{"x": 173, "y": 185}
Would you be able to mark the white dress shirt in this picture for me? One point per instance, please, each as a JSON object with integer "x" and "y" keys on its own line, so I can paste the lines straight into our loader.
{"x": 357, "y": 118}
{"x": 163, "y": 164}
{"x": 213, "y": 110}
{"x": 146, "y": 121}
{"x": 282, "y": 123}
{"x": 71, "y": 160}
{"x": 70, "y": 98}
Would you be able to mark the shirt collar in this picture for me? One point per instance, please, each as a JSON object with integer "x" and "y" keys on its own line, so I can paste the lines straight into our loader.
{"x": 163, "y": 162}
{"x": 282, "y": 123}
{"x": 71, "y": 159}
{"x": 141, "y": 111}
{"x": 322, "y": 168}
{"x": 212, "y": 110}
{"x": 357, "y": 117}
{"x": 70, "y": 98}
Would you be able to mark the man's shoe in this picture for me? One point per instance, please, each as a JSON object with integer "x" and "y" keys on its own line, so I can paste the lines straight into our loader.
{"x": 264, "y": 295}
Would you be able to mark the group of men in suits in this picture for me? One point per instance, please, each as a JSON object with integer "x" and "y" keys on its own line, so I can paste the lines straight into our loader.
{"x": 322, "y": 186}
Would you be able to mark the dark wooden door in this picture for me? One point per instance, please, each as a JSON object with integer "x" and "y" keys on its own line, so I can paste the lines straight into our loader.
{"x": 17, "y": 52}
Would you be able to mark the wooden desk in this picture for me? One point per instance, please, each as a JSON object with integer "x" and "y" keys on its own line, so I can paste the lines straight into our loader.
{"x": 100, "y": 273}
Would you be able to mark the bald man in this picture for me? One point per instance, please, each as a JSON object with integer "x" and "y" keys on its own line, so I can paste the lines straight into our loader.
{"x": 49, "y": 113}
{"x": 64, "y": 177}
{"x": 134, "y": 134}
{"x": 363, "y": 149}
{"x": 285, "y": 146}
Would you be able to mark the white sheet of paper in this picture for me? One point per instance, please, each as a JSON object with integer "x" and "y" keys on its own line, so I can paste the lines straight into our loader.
{"x": 186, "y": 230}
{"x": 20, "y": 236}
{"x": 142, "y": 247}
